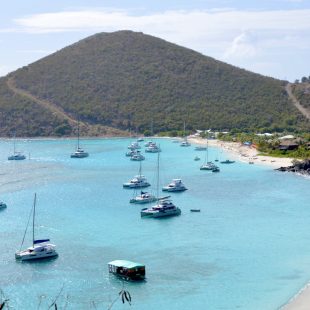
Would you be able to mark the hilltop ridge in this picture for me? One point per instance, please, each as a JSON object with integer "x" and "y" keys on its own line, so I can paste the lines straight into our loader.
{"x": 128, "y": 79}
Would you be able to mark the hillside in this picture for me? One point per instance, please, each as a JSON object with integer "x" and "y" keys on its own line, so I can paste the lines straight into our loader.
{"x": 302, "y": 93}
{"x": 127, "y": 79}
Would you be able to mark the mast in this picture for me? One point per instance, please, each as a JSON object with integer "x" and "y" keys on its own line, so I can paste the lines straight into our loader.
{"x": 157, "y": 194}
{"x": 34, "y": 212}
{"x": 207, "y": 150}
{"x": 140, "y": 169}
{"x": 152, "y": 129}
{"x": 184, "y": 135}
{"x": 78, "y": 133}
{"x": 14, "y": 141}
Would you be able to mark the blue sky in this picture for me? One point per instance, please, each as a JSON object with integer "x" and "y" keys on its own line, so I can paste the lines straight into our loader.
{"x": 271, "y": 37}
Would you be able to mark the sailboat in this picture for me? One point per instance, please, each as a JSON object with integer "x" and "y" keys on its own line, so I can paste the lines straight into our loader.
{"x": 138, "y": 181}
{"x": 164, "y": 206}
{"x": 16, "y": 155}
{"x": 208, "y": 165}
{"x": 184, "y": 143}
{"x": 79, "y": 153}
{"x": 41, "y": 248}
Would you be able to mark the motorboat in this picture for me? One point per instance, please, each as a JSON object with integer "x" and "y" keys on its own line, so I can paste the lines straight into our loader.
{"x": 200, "y": 148}
{"x": 216, "y": 169}
{"x": 164, "y": 208}
{"x": 196, "y": 158}
{"x": 175, "y": 186}
{"x": 41, "y": 248}
{"x": 144, "y": 197}
{"x": 195, "y": 210}
{"x": 127, "y": 270}
{"x": 140, "y": 139}
{"x": 227, "y": 161}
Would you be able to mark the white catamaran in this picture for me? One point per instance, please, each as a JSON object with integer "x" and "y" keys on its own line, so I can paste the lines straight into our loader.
{"x": 79, "y": 153}
{"x": 41, "y": 248}
{"x": 164, "y": 206}
{"x": 16, "y": 155}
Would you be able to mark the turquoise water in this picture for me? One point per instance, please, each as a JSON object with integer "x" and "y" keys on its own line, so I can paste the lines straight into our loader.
{"x": 248, "y": 248}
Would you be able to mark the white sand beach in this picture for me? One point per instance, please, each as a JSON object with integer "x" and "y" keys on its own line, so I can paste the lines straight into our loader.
{"x": 301, "y": 301}
{"x": 245, "y": 153}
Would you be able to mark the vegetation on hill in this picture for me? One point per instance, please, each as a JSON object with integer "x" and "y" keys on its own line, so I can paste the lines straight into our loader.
{"x": 302, "y": 93}
{"x": 127, "y": 79}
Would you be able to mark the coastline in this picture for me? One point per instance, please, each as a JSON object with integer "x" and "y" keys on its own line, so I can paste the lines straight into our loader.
{"x": 300, "y": 301}
{"x": 245, "y": 153}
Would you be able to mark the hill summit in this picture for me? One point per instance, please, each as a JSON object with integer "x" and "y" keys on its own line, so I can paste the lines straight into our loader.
{"x": 113, "y": 81}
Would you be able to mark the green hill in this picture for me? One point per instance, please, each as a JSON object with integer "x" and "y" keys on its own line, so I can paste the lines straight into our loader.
{"x": 127, "y": 79}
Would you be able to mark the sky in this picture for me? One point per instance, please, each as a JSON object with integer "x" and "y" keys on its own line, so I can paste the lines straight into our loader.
{"x": 270, "y": 37}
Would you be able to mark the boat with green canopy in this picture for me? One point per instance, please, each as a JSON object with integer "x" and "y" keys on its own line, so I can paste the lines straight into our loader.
{"x": 127, "y": 269}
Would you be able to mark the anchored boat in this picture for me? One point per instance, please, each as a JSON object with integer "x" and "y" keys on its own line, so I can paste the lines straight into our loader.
{"x": 41, "y": 248}
{"x": 127, "y": 269}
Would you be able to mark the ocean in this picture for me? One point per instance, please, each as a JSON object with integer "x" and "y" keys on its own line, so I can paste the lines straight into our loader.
{"x": 248, "y": 248}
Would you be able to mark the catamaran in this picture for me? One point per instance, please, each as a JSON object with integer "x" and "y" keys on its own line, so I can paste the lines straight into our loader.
{"x": 79, "y": 153}
{"x": 185, "y": 143}
{"x": 164, "y": 206}
{"x": 175, "y": 186}
{"x": 138, "y": 181}
{"x": 16, "y": 154}
{"x": 208, "y": 165}
{"x": 41, "y": 248}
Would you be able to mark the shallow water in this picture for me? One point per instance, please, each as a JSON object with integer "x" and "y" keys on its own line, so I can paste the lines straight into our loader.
{"x": 248, "y": 248}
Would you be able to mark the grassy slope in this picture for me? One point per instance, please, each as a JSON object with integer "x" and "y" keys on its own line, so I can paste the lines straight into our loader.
{"x": 126, "y": 78}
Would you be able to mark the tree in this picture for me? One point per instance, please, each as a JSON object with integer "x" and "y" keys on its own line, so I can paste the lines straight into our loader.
{"x": 304, "y": 79}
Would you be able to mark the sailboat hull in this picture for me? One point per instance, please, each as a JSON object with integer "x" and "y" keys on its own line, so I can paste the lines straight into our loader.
{"x": 17, "y": 157}
{"x": 29, "y": 256}
{"x": 79, "y": 155}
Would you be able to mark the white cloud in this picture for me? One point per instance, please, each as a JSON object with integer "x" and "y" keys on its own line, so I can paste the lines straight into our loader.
{"x": 225, "y": 34}
{"x": 242, "y": 46}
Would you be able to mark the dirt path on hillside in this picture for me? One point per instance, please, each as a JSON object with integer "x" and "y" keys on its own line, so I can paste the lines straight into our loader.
{"x": 296, "y": 102}
{"x": 44, "y": 103}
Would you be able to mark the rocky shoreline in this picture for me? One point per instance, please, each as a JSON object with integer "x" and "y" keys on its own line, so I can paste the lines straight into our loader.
{"x": 301, "y": 167}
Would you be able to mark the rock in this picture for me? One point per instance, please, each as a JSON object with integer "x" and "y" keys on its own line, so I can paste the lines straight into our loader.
{"x": 302, "y": 167}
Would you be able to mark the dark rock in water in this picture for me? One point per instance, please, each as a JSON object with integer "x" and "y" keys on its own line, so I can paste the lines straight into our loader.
{"x": 302, "y": 167}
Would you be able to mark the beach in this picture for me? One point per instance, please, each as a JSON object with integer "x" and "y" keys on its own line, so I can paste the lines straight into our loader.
{"x": 301, "y": 301}
{"x": 245, "y": 153}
